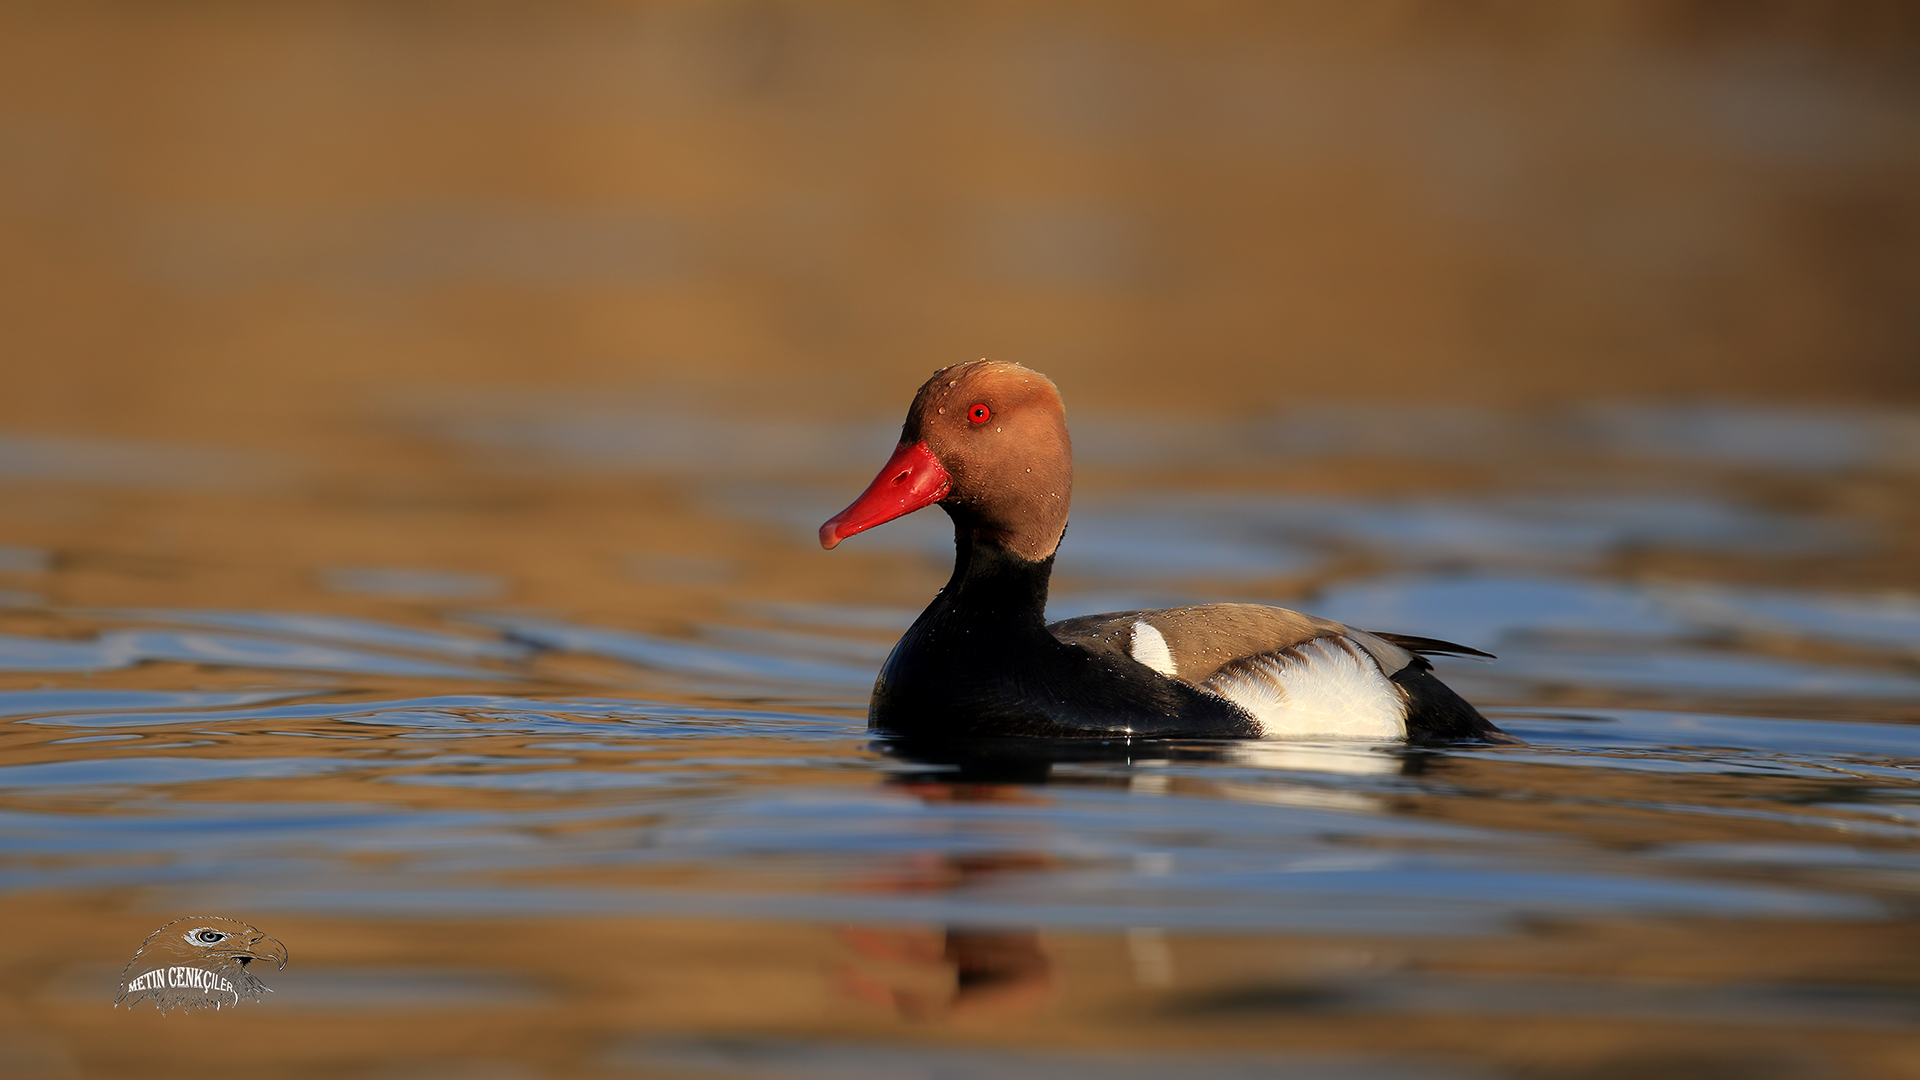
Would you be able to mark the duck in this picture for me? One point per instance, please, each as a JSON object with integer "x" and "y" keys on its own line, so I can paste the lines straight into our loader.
{"x": 987, "y": 441}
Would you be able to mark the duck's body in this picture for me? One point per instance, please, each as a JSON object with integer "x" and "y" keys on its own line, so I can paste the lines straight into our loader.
{"x": 988, "y": 443}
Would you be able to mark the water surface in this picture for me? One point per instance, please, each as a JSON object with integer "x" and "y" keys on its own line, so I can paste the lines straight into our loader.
{"x": 549, "y": 758}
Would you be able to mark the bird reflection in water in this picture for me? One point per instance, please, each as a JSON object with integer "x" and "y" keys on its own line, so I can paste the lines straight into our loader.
{"x": 952, "y": 974}
{"x": 958, "y": 972}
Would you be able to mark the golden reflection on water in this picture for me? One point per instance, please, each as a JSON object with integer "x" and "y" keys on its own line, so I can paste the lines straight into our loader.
{"x": 527, "y": 345}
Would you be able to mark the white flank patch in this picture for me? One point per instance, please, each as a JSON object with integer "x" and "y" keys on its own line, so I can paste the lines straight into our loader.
{"x": 1324, "y": 687}
{"x": 1150, "y": 648}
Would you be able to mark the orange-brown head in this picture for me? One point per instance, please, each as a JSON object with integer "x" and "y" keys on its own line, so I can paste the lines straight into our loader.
{"x": 987, "y": 441}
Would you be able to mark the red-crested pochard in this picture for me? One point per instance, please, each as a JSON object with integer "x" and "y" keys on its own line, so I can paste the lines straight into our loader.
{"x": 988, "y": 442}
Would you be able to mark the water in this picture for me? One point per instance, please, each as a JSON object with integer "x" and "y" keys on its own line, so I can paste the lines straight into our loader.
{"x": 546, "y": 757}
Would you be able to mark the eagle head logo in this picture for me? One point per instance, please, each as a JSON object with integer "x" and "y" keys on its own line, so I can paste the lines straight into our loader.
{"x": 199, "y": 962}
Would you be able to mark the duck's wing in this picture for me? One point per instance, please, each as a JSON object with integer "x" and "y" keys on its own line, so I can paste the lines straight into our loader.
{"x": 1195, "y": 643}
{"x": 1297, "y": 675}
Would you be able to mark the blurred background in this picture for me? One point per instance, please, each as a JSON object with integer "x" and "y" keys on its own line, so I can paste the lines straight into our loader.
{"x": 394, "y": 388}
{"x": 335, "y": 250}
{"x": 250, "y": 224}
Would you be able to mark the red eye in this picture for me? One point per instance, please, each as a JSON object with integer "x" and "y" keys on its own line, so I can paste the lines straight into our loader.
{"x": 979, "y": 414}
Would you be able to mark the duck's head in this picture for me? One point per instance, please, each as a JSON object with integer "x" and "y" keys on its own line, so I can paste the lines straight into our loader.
{"x": 988, "y": 442}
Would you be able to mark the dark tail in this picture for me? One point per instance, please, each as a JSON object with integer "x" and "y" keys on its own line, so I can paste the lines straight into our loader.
{"x": 1434, "y": 712}
{"x": 1427, "y": 646}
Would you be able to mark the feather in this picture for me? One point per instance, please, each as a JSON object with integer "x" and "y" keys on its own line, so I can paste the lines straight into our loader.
{"x": 1427, "y": 646}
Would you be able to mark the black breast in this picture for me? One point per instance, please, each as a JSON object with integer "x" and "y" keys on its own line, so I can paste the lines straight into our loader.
{"x": 980, "y": 661}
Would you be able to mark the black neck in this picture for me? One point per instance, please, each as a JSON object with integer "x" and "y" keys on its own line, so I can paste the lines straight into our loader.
{"x": 992, "y": 584}
{"x": 979, "y": 641}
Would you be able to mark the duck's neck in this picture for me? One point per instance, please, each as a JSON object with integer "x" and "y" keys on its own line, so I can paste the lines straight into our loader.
{"x": 979, "y": 655}
{"x": 995, "y": 586}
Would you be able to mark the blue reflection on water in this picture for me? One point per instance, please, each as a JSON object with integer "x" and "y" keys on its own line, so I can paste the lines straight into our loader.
{"x": 125, "y": 648}
{"x": 1287, "y": 841}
